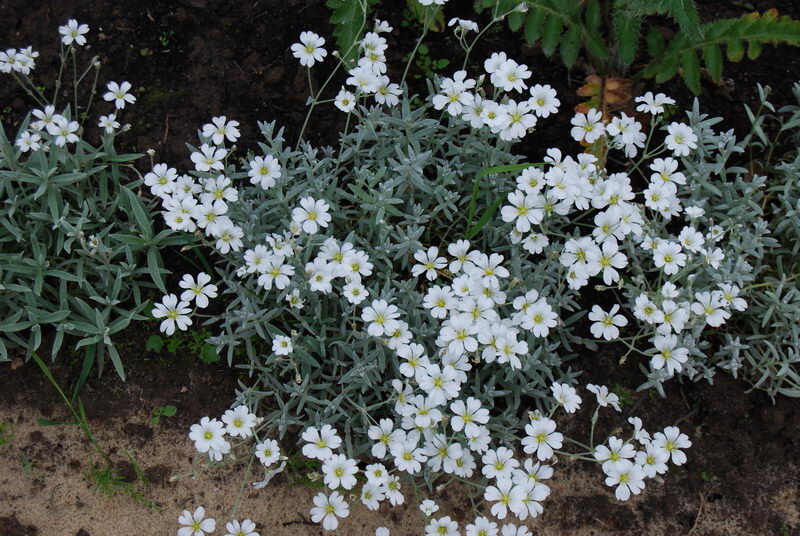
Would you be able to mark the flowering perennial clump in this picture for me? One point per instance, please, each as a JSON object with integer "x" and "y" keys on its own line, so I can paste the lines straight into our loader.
{"x": 389, "y": 288}
{"x": 411, "y": 302}
{"x": 78, "y": 248}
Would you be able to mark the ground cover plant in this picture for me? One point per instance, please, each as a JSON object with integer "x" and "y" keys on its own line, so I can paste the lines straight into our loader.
{"x": 78, "y": 248}
{"x": 450, "y": 283}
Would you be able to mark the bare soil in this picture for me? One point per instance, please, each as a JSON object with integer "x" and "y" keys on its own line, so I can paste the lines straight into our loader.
{"x": 190, "y": 60}
{"x": 742, "y": 475}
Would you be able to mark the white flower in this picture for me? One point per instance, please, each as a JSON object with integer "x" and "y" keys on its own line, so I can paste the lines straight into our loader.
{"x": 541, "y": 438}
{"x": 388, "y": 93}
{"x": 29, "y": 142}
{"x": 44, "y": 117}
{"x": 320, "y": 442}
{"x": 606, "y": 324}
{"x": 710, "y": 306}
{"x": 382, "y": 26}
{"x": 377, "y": 473}
{"x": 482, "y": 527}
{"x": 588, "y": 127}
{"x": 523, "y": 209}
{"x": 668, "y": 355}
{"x": 566, "y": 396}
{"x": 309, "y": 50}
{"x": 653, "y": 460}
{"x": 383, "y": 434}
{"x": 681, "y": 139}
{"x": 514, "y": 120}
{"x": 431, "y": 2}
{"x": 268, "y": 452}
{"x": 507, "y": 496}
{"x": 672, "y": 440}
{"x": 208, "y": 158}
{"x": 429, "y": 262}
{"x": 639, "y": 434}
{"x": 207, "y": 435}
{"x": 616, "y": 452}
{"x": 511, "y": 76}
{"x": 666, "y": 170}
{"x": 174, "y": 313}
{"x": 488, "y": 268}
{"x": 382, "y": 317}
{"x": 328, "y": 508}
{"x": 464, "y": 24}
{"x": 63, "y": 130}
{"x": 118, "y": 94}
{"x": 467, "y": 414}
{"x": 499, "y": 463}
{"x": 355, "y": 292}
{"x": 407, "y": 457}
{"x": 606, "y": 261}
{"x": 653, "y": 104}
{"x": 453, "y": 93}
{"x": 282, "y": 345}
{"x": 443, "y": 526}
{"x": 428, "y": 507}
{"x": 244, "y": 528}
{"x": 311, "y": 214}
{"x": 364, "y": 79}
{"x": 72, "y": 32}
{"x": 195, "y": 523}
{"x": 340, "y": 471}
{"x": 457, "y": 334}
{"x": 668, "y": 255}
{"x": 729, "y": 295}
{"x": 509, "y": 529}
{"x": 628, "y": 477}
{"x": 239, "y": 421}
{"x": 345, "y": 101}
{"x": 371, "y": 497}
{"x": 264, "y": 171}
{"x": 221, "y": 129}
{"x": 199, "y": 291}
{"x": 543, "y": 101}
{"x": 540, "y": 318}
{"x": 109, "y": 123}
{"x": 604, "y": 398}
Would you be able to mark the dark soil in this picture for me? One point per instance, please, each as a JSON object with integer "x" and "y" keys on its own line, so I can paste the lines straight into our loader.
{"x": 189, "y": 60}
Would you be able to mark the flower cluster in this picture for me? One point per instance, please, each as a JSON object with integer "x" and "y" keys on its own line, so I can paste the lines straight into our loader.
{"x": 686, "y": 291}
{"x": 176, "y": 311}
{"x": 197, "y": 524}
{"x": 510, "y": 119}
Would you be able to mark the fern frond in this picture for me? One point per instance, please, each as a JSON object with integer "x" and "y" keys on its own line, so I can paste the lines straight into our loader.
{"x": 349, "y": 18}
{"x": 684, "y": 55}
{"x": 627, "y": 25}
{"x": 683, "y": 12}
{"x": 563, "y": 25}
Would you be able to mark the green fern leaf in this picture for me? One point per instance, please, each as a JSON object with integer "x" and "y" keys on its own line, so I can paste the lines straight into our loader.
{"x": 626, "y": 32}
{"x": 534, "y": 25}
{"x": 570, "y": 46}
{"x": 558, "y": 23}
{"x": 349, "y": 18}
{"x": 691, "y": 70}
{"x": 735, "y": 50}
{"x": 683, "y": 12}
{"x": 754, "y": 29}
{"x": 593, "y": 16}
{"x": 551, "y": 35}
{"x": 515, "y": 21}
{"x": 712, "y": 56}
{"x": 754, "y": 49}
{"x": 655, "y": 43}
